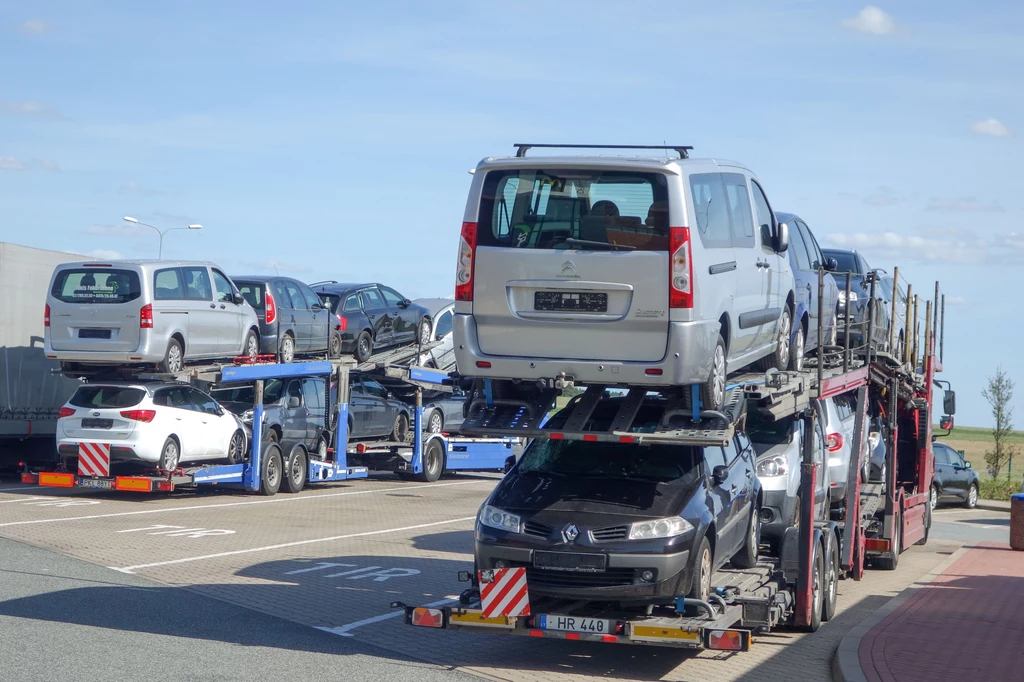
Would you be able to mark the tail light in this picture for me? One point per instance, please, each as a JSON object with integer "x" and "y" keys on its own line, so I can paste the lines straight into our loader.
{"x": 464, "y": 271}
{"x": 144, "y": 416}
{"x": 146, "y": 317}
{"x": 66, "y": 412}
{"x": 342, "y": 324}
{"x": 271, "y": 307}
{"x": 46, "y": 316}
{"x": 680, "y": 288}
{"x": 834, "y": 441}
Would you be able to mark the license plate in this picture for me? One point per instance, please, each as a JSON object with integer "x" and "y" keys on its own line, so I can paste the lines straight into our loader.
{"x": 565, "y": 561}
{"x": 97, "y": 483}
{"x": 570, "y": 301}
{"x": 97, "y": 423}
{"x": 594, "y": 626}
{"x": 94, "y": 333}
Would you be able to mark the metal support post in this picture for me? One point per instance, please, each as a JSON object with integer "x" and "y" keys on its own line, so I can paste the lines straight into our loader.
{"x": 914, "y": 333}
{"x": 907, "y": 329}
{"x": 821, "y": 326}
{"x": 341, "y": 421}
{"x": 252, "y": 477}
{"x": 871, "y": 312}
{"x": 853, "y": 522}
{"x": 927, "y": 361}
{"x": 808, "y": 483}
{"x": 892, "y": 314}
{"x": 942, "y": 324}
{"x": 417, "y": 438}
{"x": 846, "y": 327}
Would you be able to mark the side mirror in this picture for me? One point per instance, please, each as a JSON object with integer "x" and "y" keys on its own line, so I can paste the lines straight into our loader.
{"x": 439, "y": 337}
{"x": 967, "y": 463}
{"x": 317, "y": 307}
{"x": 719, "y": 474}
{"x": 783, "y": 238}
{"x": 405, "y": 303}
{"x": 949, "y": 403}
{"x": 946, "y": 423}
{"x": 831, "y": 264}
{"x": 293, "y": 401}
{"x": 237, "y": 299}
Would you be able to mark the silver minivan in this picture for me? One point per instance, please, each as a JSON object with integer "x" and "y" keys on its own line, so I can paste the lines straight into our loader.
{"x": 146, "y": 312}
{"x": 621, "y": 271}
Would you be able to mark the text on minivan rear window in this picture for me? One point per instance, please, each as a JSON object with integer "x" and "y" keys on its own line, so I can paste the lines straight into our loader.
{"x": 96, "y": 285}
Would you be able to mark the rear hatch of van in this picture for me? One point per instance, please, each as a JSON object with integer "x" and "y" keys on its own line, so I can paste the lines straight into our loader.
{"x": 573, "y": 263}
{"x": 98, "y": 412}
{"x": 96, "y": 308}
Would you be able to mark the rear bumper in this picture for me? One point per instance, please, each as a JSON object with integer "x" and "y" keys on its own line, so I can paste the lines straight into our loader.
{"x": 687, "y": 359}
{"x": 149, "y": 351}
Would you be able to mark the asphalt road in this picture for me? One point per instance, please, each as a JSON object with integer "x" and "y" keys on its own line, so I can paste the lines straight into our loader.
{"x": 65, "y": 619}
{"x": 970, "y": 525}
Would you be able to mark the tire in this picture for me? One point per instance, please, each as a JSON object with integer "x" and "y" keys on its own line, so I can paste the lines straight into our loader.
{"x": 170, "y": 455}
{"x": 833, "y": 334}
{"x": 236, "y": 448}
{"x": 270, "y": 470}
{"x": 335, "y": 348}
{"x": 252, "y": 345}
{"x": 817, "y": 589}
{"x": 400, "y": 433}
{"x": 286, "y": 353}
{"x": 889, "y": 563}
{"x": 296, "y": 469}
{"x": 747, "y": 556}
{"x": 364, "y": 346}
{"x": 831, "y": 592}
{"x": 933, "y": 498}
{"x": 321, "y": 448}
{"x": 174, "y": 358}
{"x": 272, "y": 436}
{"x": 433, "y": 461}
{"x": 703, "y": 567}
{"x": 972, "y": 496}
{"x": 435, "y": 422}
{"x": 423, "y": 332}
{"x": 796, "y": 350}
{"x": 712, "y": 391}
{"x": 780, "y": 358}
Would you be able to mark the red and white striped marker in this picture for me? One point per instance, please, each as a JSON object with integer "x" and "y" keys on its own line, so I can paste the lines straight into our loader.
{"x": 506, "y": 594}
{"x": 94, "y": 459}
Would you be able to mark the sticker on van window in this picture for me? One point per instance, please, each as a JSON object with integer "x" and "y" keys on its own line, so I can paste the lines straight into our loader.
{"x": 522, "y": 233}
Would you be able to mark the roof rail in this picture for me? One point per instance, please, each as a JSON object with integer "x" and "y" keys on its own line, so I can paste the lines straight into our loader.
{"x": 683, "y": 150}
{"x": 326, "y": 281}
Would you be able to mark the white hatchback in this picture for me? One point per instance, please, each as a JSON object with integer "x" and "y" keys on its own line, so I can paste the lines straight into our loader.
{"x": 159, "y": 423}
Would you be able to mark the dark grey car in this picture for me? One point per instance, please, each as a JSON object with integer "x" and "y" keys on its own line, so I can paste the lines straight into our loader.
{"x": 293, "y": 319}
{"x": 954, "y": 480}
{"x": 374, "y": 412}
{"x": 294, "y": 410}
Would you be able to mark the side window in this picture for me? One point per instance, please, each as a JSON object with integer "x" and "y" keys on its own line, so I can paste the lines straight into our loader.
{"x": 197, "y": 284}
{"x": 313, "y": 392}
{"x": 941, "y": 455}
{"x": 444, "y": 325}
{"x": 252, "y": 293}
{"x": 741, "y": 218}
{"x": 711, "y": 210}
{"x": 225, "y": 292}
{"x": 765, "y": 220}
{"x": 375, "y": 389}
{"x": 307, "y": 294}
{"x": 281, "y": 296}
{"x": 798, "y": 247}
{"x": 298, "y": 301}
{"x": 167, "y": 285}
{"x": 372, "y": 299}
{"x": 272, "y": 391}
{"x": 295, "y": 390}
{"x": 714, "y": 456}
{"x": 352, "y": 304}
{"x": 203, "y": 402}
{"x": 392, "y": 297}
{"x": 817, "y": 259}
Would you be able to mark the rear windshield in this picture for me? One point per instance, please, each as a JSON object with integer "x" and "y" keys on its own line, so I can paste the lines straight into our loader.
{"x": 252, "y": 292}
{"x": 96, "y": 285}
{"x": 107, "y": 397}
{"x": 579, "y": 459}
{"x": 542, "y": 208}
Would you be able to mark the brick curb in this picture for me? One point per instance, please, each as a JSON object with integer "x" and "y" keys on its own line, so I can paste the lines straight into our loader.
{"x": 846, "y": 662}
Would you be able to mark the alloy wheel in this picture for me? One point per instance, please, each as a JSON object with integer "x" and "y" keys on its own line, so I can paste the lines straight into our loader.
{"x": 436, "y": 423}
{"x": 287, "y": 350}
{"x": 174, "y": 358}
{"x": 798, "y": 348}
{"x": 705, "y": 575}
{"x": 719, "y": 373}
{"x": 252, "y": 347}
{"x": 972, "y": 496}
{"x": 783, "y": 350}
{"x": 933, "y": 499}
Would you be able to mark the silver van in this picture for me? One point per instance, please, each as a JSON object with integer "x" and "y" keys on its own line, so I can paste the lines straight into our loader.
{"x": 146, "y": 312}
{"x": 621, "y": 271}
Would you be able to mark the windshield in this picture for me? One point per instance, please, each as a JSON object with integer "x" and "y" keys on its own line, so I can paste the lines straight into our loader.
{"x": 847, "y": 261}
{"x": 579, "y": 459}
{"x": 96, "y": 285}
{"x": 108, "y": 397}
{"x": 543, "y": 208}
{"x": 247, "y": 394}
{"x": 764, "y": 431}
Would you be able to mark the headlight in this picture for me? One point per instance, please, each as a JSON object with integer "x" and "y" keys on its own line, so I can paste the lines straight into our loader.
{"x": 496, "y": 518}
{"x": 835, "y": 462}
{"x": 842, "y": 295}
{"x": 247, "y": 416}
{"x": 660, "y": 528}
{"x": 773, "y": 466}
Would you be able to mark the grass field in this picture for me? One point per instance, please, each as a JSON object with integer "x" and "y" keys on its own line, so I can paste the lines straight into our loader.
{"x": 974, "y": 442}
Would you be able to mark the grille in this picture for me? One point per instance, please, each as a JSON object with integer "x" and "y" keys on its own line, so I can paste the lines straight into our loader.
{"x": 613, "y": 577}
{"x": 537, "y": 529}
{"x": 610, "y": 533}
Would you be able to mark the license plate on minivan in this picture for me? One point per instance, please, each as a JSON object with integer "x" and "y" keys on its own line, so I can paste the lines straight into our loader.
{"x": 94, "y": 333}
{"x": 566, "y": 300}
{"x": 566, "y": 561}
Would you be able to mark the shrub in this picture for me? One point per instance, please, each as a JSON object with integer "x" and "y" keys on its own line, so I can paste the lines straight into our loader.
{"x": 998, "y": 489}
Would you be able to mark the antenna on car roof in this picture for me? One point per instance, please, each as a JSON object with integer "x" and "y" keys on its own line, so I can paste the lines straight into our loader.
{"x": 684, "y": 150}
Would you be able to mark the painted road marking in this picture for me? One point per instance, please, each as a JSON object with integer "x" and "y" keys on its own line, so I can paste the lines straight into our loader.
{"x": 180, "y": 531}
{"x": 132, "y": 569}
{"x": 344, "y": 630}
{"x": 374, "y": 572}
{"x": 276, "y": 500}
{"x": 24, "y": 499}
{"x": 19, "y": 487}
{"x": 59, "y": 502}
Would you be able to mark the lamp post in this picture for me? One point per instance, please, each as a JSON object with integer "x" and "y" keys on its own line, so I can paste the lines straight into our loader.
{"x": 160, "y": 232}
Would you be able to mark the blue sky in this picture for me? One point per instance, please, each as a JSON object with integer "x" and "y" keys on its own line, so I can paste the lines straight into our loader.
{"x": 332, "y": 140}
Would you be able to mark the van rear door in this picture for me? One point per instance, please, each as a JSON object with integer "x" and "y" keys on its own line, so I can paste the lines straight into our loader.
{"x": 95, "y": 307}
{"x": 573, "y": 263}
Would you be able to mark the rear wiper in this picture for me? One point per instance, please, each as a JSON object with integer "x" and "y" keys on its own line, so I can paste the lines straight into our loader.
{"x": 586, "y": 242}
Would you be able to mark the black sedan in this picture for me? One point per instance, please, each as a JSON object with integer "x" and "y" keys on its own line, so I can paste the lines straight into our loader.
{"x": 373, "y": 316}
{"x": 374, "y": 412}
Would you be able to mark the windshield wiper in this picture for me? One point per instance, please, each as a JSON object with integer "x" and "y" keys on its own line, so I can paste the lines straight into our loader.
{"x": 572, "y": 241}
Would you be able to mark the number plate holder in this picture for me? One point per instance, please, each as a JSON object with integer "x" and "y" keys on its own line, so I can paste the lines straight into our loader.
{"x": 590, "y": 626}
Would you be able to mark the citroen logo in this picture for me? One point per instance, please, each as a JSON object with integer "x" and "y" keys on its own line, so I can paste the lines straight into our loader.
{"x": 570, "y": 533}
{"x": 568, "y": 267}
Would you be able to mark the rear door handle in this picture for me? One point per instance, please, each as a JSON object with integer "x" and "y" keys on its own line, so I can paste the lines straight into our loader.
{"x": 213, "y": 305}
{"x": 223, "y": 307}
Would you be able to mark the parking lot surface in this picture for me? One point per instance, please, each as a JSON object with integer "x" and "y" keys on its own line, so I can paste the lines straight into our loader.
{"x": 334, "y": 557}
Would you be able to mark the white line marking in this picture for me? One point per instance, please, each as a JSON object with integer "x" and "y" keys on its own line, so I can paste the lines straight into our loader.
{"x": 275, "y": 500}
{"x": 26, "y": 499}
{"x": 343, "y": 630}
{"x": 20, "y": 487}
{"x": 132, "y": 569}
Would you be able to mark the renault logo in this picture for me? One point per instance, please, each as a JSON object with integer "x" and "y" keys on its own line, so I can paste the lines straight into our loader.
{"x": 570, "y": 533}
{"x": 95, "y": 414}
{"x": 569, "y": 268}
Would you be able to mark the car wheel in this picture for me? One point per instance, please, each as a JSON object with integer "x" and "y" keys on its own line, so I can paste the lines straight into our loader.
{"x": 702, "y": 570}
{"x": 435, "y": 424}
{"x": 747, "y": 556}
{"x": 273, "y": 436}
{"x": 424, "y": 332}
{"x": 833, "y": 334}
{"x": 252, "y": 345}
{"x": 286, "y": 353}
{"x": 933, "y": 499}
{"x": 236, "y": 448}
{"x": 972, "y": 496}
{"x": 270, "y": 470}
{"x": 433, "y": 461}
{"x": 295, "y": 470}
{"x": 780, "y": 358}
{"x": 817, "y": 588}
{"x": 173, "y": 359}
{"x": 321, "y": 448}
{"x": 400, "y": 433}
{"x": 364, "y": 346}
{"x": 712, "y": 391}
{"x": 831, "y": 596}
{"x": 335, "y": 349}
{"x": 796, "y": 350}
{"x": 170, "y": 455}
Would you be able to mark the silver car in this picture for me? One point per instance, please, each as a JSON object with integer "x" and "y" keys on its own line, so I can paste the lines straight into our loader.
{"x": 621, "y": 271}
{"x": 146, "y": 312}
{"x": 440, "y": 357}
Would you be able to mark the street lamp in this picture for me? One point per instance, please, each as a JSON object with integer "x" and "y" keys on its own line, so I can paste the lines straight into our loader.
{"x": 160, "y": 232}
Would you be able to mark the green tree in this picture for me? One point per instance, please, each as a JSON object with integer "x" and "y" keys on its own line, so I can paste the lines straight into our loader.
{"x": 999, "y": 393}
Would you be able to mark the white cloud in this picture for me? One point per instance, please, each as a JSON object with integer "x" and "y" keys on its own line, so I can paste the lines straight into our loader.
{"x": 29, "y": 108}
{"x": 963, "y": 205}
{"x": 956, "y": 300}
{"x": 11, "y": 163}
{"x": 934, "y": 245}
{"x": 872, "y": 21}
{"x": 35, "y": 27}
{"x": 992, "y": 127}
{"x": 104, "y": 254}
